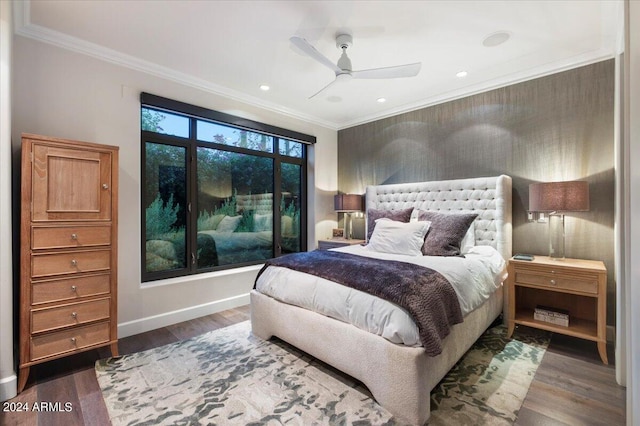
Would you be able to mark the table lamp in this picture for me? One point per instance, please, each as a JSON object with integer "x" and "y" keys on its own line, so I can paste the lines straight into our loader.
{"x": 558, "y": 198}
{"x": 347, "y": 203}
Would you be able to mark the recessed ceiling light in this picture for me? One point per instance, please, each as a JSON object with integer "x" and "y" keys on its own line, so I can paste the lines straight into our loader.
{"x": 496, "y": 39}
{"x": 381, "y": 100}
{"x": 461, "y": 74}
{"x": 264, "y": 87}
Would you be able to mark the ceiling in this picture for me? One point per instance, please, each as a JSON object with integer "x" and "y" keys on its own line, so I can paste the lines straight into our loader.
{"x": 233, "y": 47}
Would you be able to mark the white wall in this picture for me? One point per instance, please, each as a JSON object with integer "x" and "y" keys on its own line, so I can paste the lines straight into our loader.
{"x": 632, "y": 209}
{"x": 68, "y": 95}
{"x": 7, "y": 374}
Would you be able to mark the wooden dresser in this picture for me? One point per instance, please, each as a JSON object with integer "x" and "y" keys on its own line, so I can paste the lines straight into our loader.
{"x": 68, "y": 254}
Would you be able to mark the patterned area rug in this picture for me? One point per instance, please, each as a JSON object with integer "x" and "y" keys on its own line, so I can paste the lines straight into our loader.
{"x": 230, "y": 377}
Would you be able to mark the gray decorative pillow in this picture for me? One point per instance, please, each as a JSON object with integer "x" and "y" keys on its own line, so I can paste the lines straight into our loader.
{"x": 397, "y": 215}
{"x": 446, "y": 232}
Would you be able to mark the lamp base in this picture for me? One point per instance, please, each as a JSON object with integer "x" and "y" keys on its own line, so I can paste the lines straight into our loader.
{"x": 348, "y": 226}
{"x": 556, "y": 236}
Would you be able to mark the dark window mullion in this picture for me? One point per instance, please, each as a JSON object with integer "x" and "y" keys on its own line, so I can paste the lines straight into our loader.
{"x": 277, "y": 196}
{"x": 303, "y": 201}
{"x": 192, "y": 199}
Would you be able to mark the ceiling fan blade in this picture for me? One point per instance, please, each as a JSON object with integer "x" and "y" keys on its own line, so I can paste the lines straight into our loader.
{"x": 323, "y": 89}
{"x": 399, "y": 71}
{"x": 311, "y": 51}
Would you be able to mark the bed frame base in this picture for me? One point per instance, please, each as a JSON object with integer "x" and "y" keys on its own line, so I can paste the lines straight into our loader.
{"x": 400, "y": 378}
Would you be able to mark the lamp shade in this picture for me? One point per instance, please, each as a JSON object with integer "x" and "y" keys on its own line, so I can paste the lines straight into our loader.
{"x": 347, "y": 203}
{"x": 570, "y": 196}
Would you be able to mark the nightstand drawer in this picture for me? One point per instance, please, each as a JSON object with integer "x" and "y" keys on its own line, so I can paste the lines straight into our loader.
{"x": 583, "y": 284}
{"x": 337, "y": 242}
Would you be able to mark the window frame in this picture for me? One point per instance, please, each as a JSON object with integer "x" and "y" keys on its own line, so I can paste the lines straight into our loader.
{"x": 195, "y": 113}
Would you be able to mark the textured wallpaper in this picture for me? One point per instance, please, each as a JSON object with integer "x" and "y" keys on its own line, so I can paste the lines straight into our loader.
{"x": 554, "y": 128}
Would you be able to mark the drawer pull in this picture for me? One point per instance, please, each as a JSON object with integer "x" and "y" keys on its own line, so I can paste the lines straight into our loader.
{"x": 74, "y": 236}
{"x": 74, "y": 262}
{"x": 74, "y": 315}
{"x": 73, "y": 340}
{"x": 105, "y": 186}
{"x": 74, "y": 289}
{"x": 553, "y": 282}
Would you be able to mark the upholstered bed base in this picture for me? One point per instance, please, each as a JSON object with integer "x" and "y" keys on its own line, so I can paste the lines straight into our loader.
{"x": 400, "y": 378}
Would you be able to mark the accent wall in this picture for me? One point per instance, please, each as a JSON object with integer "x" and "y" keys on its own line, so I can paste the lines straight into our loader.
{"x": 555, "y": 128}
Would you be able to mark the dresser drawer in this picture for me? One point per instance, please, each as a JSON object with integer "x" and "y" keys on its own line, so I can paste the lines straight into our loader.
{"x": 61, "y": 342}
{"x": 69, "y": 288}
{"x": 69, "y": 315}
{"x": 585, "y": 283}
{"x": 70, "y": 236}
{"x": 72, "y": 262}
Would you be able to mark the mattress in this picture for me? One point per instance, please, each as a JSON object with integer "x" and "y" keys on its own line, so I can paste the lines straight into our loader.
{"x": 474, "y": 278}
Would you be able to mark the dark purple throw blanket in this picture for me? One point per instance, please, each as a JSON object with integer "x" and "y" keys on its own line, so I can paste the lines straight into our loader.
{"x": 423, "y": 292}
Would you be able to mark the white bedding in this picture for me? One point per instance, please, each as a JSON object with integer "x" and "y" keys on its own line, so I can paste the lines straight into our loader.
{"x": 474, "y": 279}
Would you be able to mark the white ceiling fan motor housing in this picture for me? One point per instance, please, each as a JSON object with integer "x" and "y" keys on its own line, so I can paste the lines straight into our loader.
{"x": 344, "y": 41}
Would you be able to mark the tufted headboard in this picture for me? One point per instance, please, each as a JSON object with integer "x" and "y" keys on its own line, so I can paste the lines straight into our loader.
{"x": 489, "y": 197}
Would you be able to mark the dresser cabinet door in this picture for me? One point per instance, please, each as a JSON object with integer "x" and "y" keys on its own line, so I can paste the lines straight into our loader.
{"x": 70, "y": 184}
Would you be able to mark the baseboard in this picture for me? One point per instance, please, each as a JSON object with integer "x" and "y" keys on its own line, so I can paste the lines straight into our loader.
{"x": 157, "y": 321}
{"x": 8, "y": 387}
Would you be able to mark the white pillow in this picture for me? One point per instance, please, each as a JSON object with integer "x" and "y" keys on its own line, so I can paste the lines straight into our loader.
{"x": 228, "y": 223}
{"x": 390, "y": 236}
{"x": 469, "y": 240}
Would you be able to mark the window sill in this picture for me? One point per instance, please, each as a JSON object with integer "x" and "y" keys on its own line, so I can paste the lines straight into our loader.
{"x": 200, "y": 277}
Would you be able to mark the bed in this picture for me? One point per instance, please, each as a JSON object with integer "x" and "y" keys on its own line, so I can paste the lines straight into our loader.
{"x": 400, "y": 376}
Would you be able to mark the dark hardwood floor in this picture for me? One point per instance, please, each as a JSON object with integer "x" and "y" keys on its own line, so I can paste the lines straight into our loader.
{"x": 571, "y": 386}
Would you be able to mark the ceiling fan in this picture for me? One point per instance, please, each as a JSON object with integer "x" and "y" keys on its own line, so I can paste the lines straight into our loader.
{"x": 343, "y": 68}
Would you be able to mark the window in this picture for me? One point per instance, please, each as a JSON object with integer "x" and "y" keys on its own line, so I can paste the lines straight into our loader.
{"x": 218, "y": 191}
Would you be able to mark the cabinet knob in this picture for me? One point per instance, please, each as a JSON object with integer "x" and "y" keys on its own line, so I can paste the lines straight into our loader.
{"x": 105, "y": 186}
{"x": 553, "y": 282}
{"x": 74, "y": 289}
{"x": 73, "y": 340}
{"x": 74, "y": 315}
{"x": 74, "y": 236}
{"x": 74, "y": 262}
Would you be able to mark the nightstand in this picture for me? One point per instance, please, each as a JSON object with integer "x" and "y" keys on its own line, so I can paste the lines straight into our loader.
{"x": 573, "y": 285}
{"x": 337, "y": 242}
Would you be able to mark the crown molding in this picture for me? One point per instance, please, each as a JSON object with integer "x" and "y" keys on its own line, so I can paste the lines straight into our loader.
{"x": 24, "y": 28}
